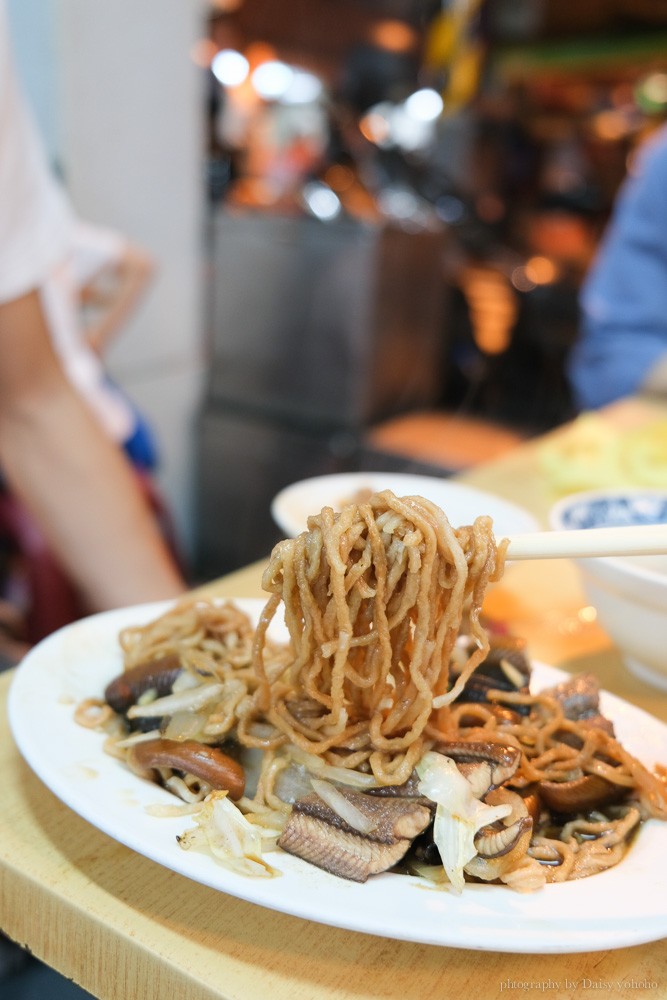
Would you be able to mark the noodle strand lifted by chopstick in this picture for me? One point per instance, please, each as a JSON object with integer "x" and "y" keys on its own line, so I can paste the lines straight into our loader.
{"x": 374, "y": 599}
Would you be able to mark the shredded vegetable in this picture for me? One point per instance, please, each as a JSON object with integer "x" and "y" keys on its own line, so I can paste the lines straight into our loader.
{"x": 458, "y": 815}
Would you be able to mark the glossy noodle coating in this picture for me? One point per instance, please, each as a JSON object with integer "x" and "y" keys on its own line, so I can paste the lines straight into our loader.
{"x": 374, "y": 599}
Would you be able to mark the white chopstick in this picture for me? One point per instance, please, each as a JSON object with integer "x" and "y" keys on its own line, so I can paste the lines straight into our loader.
{"x": 581, "y": 543}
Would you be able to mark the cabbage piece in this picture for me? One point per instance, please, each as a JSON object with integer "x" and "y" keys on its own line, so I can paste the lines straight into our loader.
{"x": 458, "y": 815}
{"x": 190, "y": 699}
{"x": 330, "y": 772}
{"x": 226, "y": 833}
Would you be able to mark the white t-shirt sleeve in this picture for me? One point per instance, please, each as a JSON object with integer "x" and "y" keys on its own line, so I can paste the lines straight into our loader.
{"x": 95, "y": 248}
{"x": 35, "y": 216}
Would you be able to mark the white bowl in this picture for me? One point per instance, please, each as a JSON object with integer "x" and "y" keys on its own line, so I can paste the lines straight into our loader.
{"x": 292, "y": 507}
{"x": 629, "y": 593}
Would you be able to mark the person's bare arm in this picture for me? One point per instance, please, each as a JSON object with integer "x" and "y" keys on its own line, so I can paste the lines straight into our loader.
{"x": 116, "y": 295}
{"x": 74, "y": 480}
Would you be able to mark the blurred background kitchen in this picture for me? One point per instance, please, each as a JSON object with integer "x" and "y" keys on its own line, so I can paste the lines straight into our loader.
{"x": 370, "y": 219}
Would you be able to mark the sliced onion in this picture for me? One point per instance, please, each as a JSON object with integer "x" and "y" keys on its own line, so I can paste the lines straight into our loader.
{"x": 184, "y": 725}
{"x": 343, "y": 807}
{"x": 435, "y": 874}
{"x": 191, "y": 699}
{"x": 184, "y": 681}
{"x": 129, "y": 741}
{"x": 292, "y": 783}
{"x": 341, "y": 775}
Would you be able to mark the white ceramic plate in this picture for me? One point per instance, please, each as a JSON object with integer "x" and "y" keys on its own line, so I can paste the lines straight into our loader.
{"x": 624, "y": 906}
{"x": 292, "y": 507}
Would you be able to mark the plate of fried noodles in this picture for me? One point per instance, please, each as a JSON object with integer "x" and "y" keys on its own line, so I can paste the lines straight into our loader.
{"x": 363, "y": 748}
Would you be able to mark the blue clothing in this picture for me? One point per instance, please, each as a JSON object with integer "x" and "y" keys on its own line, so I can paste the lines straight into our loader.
{"x": 624, "y": 298}
{"x": 140, "y": 448}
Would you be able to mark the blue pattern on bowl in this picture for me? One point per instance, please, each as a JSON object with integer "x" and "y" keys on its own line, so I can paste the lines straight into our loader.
{"x": 610, "y": 512}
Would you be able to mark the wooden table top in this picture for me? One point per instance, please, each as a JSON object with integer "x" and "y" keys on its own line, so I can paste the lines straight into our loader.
{"x": 123, "y": 927}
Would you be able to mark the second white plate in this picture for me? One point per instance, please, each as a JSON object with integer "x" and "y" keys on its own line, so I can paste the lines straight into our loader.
{"x": 292, "y": 507}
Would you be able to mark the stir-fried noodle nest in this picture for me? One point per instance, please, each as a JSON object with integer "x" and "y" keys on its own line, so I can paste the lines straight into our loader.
{"x": 374, "y": 599}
